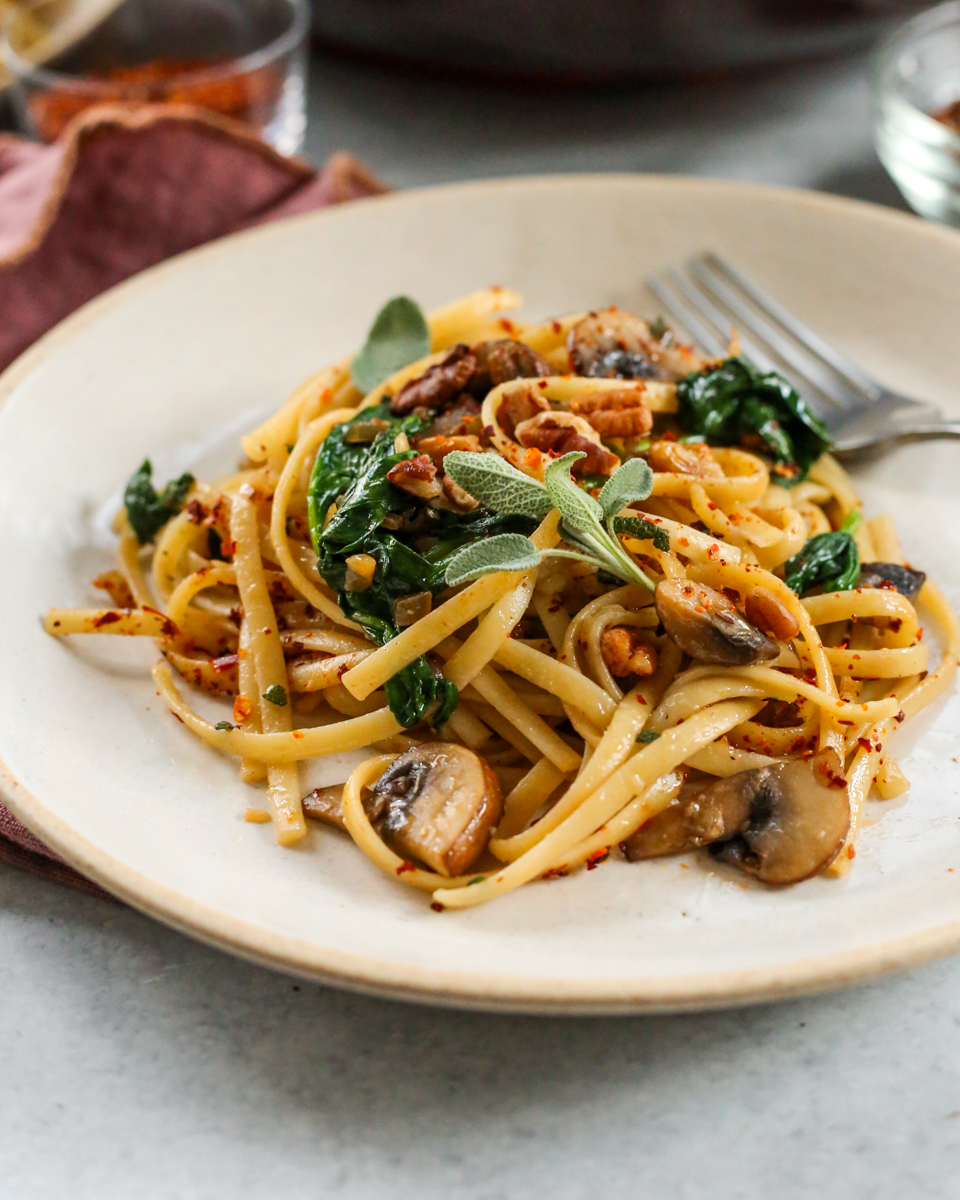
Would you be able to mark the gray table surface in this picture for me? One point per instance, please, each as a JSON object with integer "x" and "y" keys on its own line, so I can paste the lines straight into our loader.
{"x": 137, "y": 1063}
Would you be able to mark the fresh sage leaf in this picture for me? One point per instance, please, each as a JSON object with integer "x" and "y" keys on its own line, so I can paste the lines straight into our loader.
{"x": 398, "y": 336}
{"x": 276, "y": 695}
{"x": 580, "y": 511}
{"x": 633, "y": 481}
{"x": 640, "y": 527}
{"x": 497, "y": 485}
{"x": 505, "y": 552}
{"x": 828, "y": 560}
{"x": 148, "y": 510}
{"x": 646, "y": 736}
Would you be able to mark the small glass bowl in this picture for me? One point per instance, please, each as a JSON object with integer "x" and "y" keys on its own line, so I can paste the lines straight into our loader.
{"x": 244, "y": 59}
{"x": 916, "y": 76}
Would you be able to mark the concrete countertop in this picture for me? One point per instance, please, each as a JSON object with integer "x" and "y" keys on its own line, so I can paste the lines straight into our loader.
{"x": 137, "y": 1063}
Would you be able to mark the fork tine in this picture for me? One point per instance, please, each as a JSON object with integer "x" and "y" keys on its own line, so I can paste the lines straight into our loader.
{"x": 677, "y": 309}
{"x": 807, "y": 366}
{"x": 701, "y": 308}
{"x": 811, "y": 341}
{"x": 704, "y": 306}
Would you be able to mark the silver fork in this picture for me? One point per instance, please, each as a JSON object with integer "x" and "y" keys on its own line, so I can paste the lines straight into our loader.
{"x": 858, "y": 411}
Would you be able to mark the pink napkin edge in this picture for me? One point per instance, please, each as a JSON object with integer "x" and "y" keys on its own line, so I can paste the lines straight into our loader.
{"x": 87, "y": 125}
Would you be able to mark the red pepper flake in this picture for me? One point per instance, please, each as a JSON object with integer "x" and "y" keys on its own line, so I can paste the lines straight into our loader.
{"x": 242, "y": 708}
{"x": 851, "y": 853}
{"x": 669, "y": 436}
{"x": 299, "y": 734}
{"x": 556, "y": 326}
{"x": 489, "y": 430}
{"x": 437, "y": 907}
{"x": 342, "y": 670}
{"x": 507, "y": 325}
{"x": 405, "y": 866}
{"x": 542, "y": 384}
{"x": 196, "y": 511}
{"x": 598, "y": 857}
{"x": 901, "y": 717}
{"x": 225, "y": 663}
{"x": 865, "y": 743}
{"x": 713, "y": 552}
{"x": 107, "y": 618}
{"x": 555, "y": 873}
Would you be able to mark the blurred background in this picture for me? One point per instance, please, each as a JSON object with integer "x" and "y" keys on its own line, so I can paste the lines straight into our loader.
{"x": 423, "y": 92}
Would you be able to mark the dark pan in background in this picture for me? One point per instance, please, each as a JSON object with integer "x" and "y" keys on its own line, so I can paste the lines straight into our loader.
{"x": 599, "y": 40}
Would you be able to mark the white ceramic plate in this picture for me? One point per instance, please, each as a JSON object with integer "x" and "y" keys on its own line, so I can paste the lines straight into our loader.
{"x": 178, "y": 361}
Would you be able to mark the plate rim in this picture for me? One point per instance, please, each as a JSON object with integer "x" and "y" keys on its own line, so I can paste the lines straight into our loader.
{"x": 460, "y": 989}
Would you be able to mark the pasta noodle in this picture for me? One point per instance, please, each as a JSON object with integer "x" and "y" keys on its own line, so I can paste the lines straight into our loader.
{"x": 694, "y": 629}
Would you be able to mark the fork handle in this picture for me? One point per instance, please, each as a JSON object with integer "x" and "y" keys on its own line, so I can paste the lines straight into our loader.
{"x": 933, "y": 429}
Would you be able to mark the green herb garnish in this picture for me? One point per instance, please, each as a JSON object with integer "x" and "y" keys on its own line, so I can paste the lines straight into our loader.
{"x": 587, "y": 524}
{"x": 276, "y": 695}
{"x": 224, "y": 726}
{"x": 735, "y": 402}
{"x": 829, "y": 560}
{"x": 640, "y": 527}
{"x": 147, "y": 510}
{"x": 645, "y": 736}
{"x": 398, "y": 336}
{"x": 409, "y": 560}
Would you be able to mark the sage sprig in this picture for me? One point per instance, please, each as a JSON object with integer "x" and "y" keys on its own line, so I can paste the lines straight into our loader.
{"x": 587, "y": 524}
{"x": 398, "y": 336}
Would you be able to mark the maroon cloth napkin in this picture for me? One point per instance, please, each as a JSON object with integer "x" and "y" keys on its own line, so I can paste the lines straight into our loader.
{"x": 120, "y": 191}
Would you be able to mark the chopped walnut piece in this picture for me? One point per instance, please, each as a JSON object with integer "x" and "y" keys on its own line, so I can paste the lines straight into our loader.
{"x": 418, "y": 476}
{"x": 457, "y": 496}
{"x": 620, "y": 412}
{"x": 769, "y": 613}
{"x": 504, "y": 359}
{"x": 561, "y": 432}
{"x": 463, "y": 418}
{"x": 518, "y": 406}
{"x": 693, "y": 458}
{"x": 437, "y": 448}
{"x": 438, "y": 385}
{"x": 625, "y": 653}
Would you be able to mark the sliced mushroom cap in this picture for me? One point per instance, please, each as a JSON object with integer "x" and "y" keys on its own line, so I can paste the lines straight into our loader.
{"x": 708, "y": 627}
{"x": 325, "y": 804}
{"x": 438, "y": 803}
{"x": 612, "y": 344}
{"x": 881, "y": 574}
{"x": 780, "y": 823}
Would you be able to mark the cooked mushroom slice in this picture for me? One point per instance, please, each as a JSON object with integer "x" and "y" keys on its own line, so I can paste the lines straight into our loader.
{"x": 438, "y": 803}
{"x": 708, "y": 627}
{"x": 325, "y": 804}
{"x": 880, "y": 574}
{"x": 780, "y": 823}
{"x": 612, "y": 345}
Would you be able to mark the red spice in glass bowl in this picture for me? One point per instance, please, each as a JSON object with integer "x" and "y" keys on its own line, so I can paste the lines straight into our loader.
{"x": 248, "y": 96}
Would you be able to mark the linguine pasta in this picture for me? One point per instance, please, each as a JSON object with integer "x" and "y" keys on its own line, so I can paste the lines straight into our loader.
{"x": 691, "y": 626}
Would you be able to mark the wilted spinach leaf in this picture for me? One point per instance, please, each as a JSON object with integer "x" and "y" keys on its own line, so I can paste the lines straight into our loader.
{"x": 829, "y": 560}
{"x": 640, "y": 527}
{"x": 356, "y": 476}
{"x": 147, "y": 510}
{"x": 735, "y": 403}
